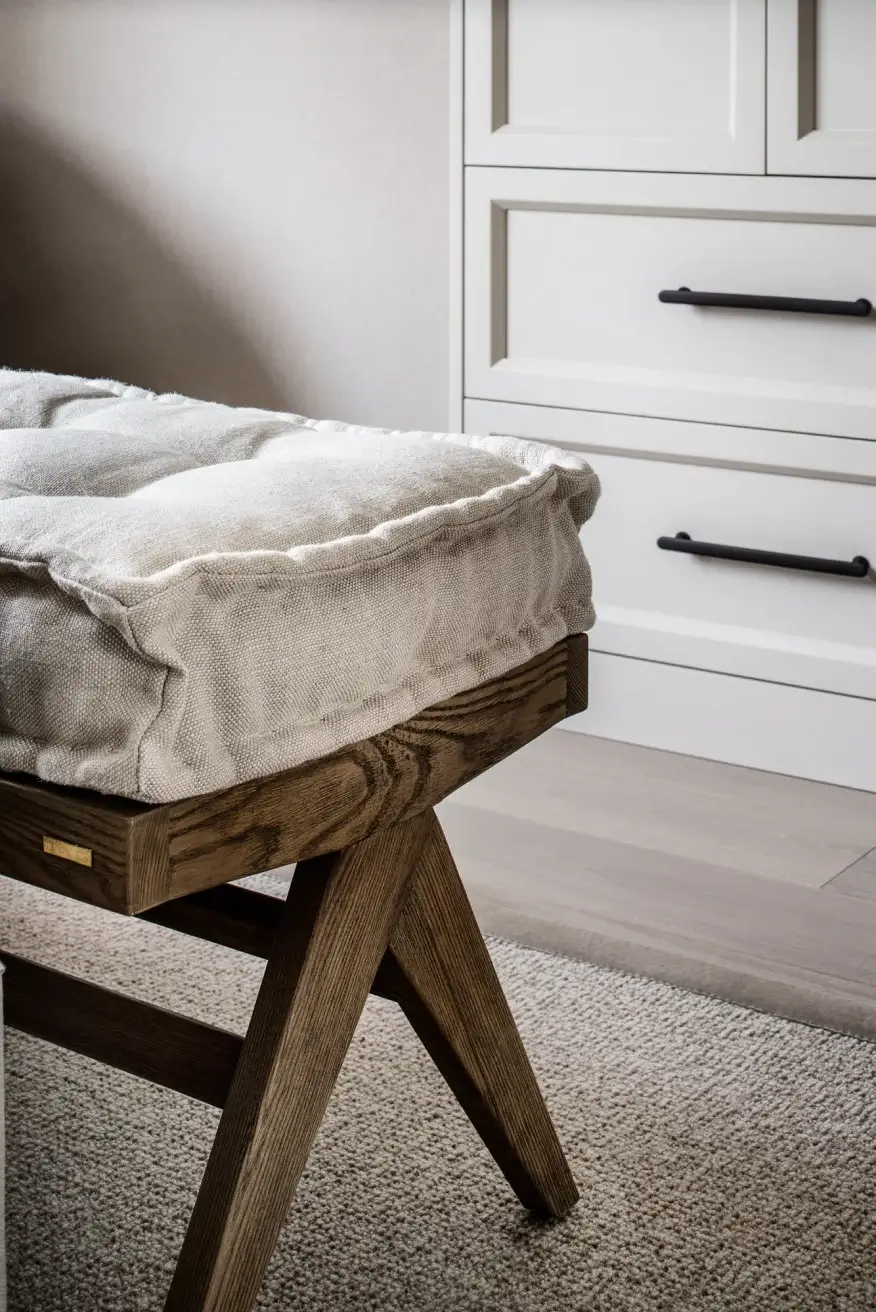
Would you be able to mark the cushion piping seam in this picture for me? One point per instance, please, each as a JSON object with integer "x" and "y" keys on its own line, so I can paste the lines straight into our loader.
{"x": 537, "y": 624}
{"x": 543, "y": 487}
{"x": 147, "y": 728}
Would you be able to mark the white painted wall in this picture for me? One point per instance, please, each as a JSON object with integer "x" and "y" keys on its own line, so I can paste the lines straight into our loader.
{"x": 243, "y": 199}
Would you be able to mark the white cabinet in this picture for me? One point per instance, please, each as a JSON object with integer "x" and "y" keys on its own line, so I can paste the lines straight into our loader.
{"x": 626, "y": 84}
{"x": 822, "y": 87}
{"x": 564, "y": 271}
{"x": 614, "y": 150}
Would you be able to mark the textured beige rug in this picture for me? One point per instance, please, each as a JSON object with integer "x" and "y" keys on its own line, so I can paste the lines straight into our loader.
{"x": 727, "y": 1160}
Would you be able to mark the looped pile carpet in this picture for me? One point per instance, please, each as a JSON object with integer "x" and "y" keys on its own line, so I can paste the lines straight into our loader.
{"x": 727, "y": 1159}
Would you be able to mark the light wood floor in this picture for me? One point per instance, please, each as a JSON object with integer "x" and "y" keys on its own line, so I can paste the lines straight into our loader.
{"x": 749, "y": 886}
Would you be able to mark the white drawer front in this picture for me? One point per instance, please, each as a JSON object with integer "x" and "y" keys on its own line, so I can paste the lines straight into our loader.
{"x": 812, "y": 630}
{"x": 563, "y": 272}
{"x": 624, "y": 84}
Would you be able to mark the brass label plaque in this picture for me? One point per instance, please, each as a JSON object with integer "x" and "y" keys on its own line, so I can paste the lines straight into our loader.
{"x": 67, "y": 851}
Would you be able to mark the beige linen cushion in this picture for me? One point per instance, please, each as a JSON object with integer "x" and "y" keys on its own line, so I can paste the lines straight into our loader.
{"x": 193, "y": 595}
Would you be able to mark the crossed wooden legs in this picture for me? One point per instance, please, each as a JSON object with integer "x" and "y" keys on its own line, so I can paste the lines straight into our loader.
{"x": 440, "y": 972}
{"x": 393, "y": 901}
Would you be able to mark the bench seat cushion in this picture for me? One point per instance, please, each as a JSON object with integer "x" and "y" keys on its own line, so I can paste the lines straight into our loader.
{"x": 193, "y": 595}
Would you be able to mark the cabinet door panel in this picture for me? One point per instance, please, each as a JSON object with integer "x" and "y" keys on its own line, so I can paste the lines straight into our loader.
{"x": 627, "y": 84}
{"x": 822, "y": 88}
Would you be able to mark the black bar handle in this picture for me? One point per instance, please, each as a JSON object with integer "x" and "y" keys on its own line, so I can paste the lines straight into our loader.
{"x": 858, "y": 568}
{"x": 859, "y": 309}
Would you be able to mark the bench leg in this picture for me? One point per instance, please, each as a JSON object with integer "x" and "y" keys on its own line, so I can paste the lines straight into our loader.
{"x": 393, "y": 901}
{"x": 440, "y": 972}
{"x": 334, "y": 929}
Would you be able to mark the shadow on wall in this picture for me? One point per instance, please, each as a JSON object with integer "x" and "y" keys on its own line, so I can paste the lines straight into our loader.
{"x": 87, "y": 289}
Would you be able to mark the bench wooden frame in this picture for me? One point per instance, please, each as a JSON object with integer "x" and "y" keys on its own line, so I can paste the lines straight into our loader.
{"x": 375, "y": 905}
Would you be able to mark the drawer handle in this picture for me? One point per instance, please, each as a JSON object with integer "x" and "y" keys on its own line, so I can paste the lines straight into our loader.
{"x": 859, "y": 309}
{"x": 858, "y": 568}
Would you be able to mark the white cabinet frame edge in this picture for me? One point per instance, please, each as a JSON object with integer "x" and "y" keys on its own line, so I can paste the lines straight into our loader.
{"x": 804, "y": 455}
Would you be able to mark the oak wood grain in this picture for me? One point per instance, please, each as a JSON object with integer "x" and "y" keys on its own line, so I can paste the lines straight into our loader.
{"x": 234, "y": 917}
{"x": 440, "y": 972}
{"x": 112, "y": 828}
{"x": 143, "y": 855}
{"x": 576, "y": 673}
{"x": 340, "y": 799}
{"x": 150, "y": 875}
{"x": 195, "y": 1059}
{"x": 333, "y": 932}
{"x": 437, "y": 968}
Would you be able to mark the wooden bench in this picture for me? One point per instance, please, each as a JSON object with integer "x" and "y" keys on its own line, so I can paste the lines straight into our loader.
{"x": 375, "y": 905}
